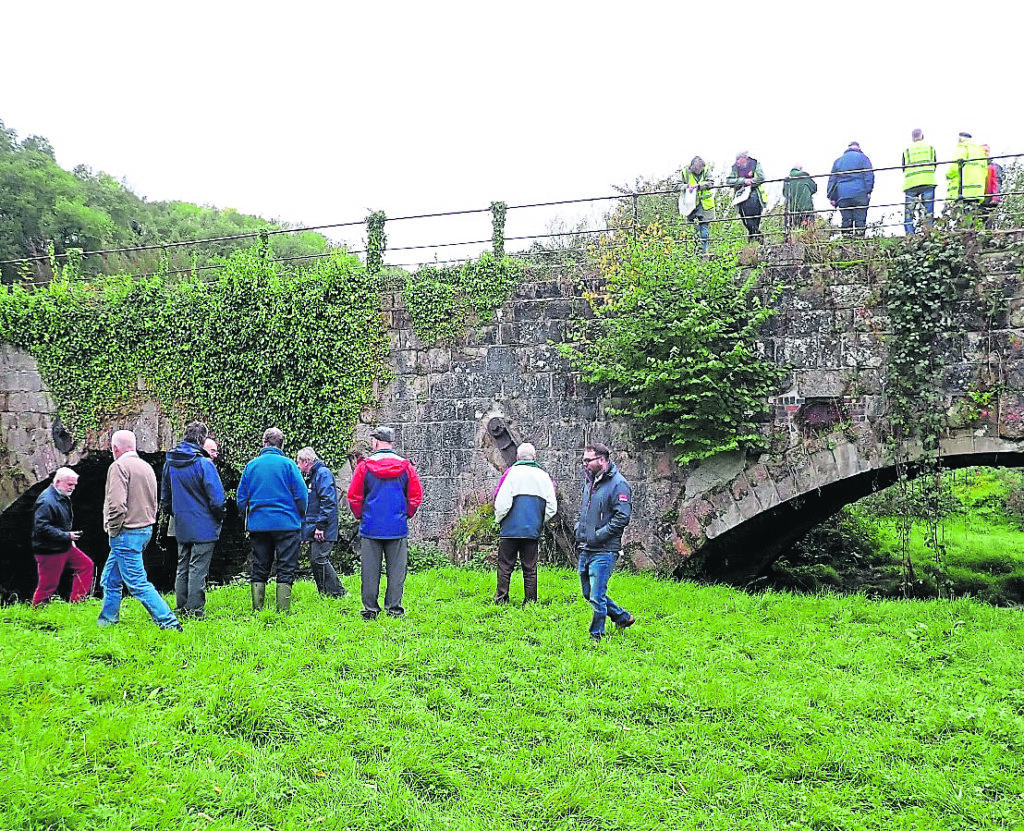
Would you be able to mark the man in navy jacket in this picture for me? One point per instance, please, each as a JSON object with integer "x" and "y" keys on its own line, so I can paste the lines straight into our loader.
{"x": 604, "y": 514}
{"x": 320, "y": 525}
{"x": 191, "y": 492}
{"x": 850, "y": 186}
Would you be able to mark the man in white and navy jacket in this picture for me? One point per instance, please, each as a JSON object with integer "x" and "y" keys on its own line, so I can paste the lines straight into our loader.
{"x": 523, "y": 502}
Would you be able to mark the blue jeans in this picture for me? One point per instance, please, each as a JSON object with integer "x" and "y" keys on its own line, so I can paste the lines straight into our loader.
{"x": 926, "y": 193}
{"x": 697, "y": 215}
{"x": 595, "y": 571}
{"x": 124, "y": 565}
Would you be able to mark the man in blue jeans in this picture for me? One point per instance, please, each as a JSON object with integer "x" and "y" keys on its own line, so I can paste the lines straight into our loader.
{"x": 604, "y": 515}
{"x": 129, "y": 511}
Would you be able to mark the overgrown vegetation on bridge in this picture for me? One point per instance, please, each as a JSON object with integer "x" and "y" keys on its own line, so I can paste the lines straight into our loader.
{"x": 257, "y": 346}
{"x": 675, "y": 344}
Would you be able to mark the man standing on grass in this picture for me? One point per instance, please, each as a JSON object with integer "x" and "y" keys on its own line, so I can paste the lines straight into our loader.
{"x": 384, "y": 494}
{"x": 524, "y": 501}
{"x": 129, "y": 512}
{"x": 53, "y": 541}
{"x": 604, "y": 515}
{"x": 272, "y": 498}
{"x": 192, "y": 493}
{"x": 320, "y": 525}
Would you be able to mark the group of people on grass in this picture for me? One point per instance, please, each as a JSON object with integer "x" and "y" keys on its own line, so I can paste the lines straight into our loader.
{"x": 973, "y": 183}
{"x": 286, "y": 504}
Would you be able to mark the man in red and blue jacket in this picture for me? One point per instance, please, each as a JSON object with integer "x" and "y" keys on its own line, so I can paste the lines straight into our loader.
{"x": 384, "y": 494}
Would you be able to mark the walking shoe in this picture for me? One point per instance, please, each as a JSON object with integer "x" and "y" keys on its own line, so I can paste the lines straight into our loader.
{"x": 627, "y": 623}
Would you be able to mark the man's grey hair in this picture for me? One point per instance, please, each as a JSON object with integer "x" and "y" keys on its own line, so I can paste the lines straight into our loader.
{"x": 918, "y": 134}
{"x": 307, "y": 454}
{"x": 123, "y": 440}
{"x": 64, "y": 473}
{"x": 526, "y": 452}
{"x": 273, "y": 437}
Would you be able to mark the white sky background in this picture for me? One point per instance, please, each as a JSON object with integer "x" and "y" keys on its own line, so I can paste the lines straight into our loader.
{"x": 314, "y": 113}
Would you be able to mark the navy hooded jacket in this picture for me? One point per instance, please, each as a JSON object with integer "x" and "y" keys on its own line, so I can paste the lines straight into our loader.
{"x": 843, "y": 185}
{"x": 192, "y": 492}
{"x": 321, "y": 505}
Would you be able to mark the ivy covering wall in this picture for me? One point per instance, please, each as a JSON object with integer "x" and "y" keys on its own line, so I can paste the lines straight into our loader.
{"x": 257, "y": 346}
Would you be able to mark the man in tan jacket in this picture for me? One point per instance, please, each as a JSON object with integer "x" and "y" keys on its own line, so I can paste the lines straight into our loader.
{"x": 129, "y": 512}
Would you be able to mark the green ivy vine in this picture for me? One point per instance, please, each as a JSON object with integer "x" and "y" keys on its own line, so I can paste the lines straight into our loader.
{"x": 304, "y": 350}
{"x": 444, "y": 301}
{"x": 925, "y": 281}
{"x": 376, "y": 241}
{"x": 498, "y": 211}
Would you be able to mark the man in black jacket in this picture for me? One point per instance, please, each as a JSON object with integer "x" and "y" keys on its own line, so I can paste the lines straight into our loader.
{"x": 604, "y": 515}
{"x": 53, "y": 541}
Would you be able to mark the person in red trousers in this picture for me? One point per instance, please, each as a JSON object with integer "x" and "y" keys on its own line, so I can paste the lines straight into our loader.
{"x": 53, "y": 541}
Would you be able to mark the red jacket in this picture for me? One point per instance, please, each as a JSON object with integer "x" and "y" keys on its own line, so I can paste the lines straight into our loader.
{"x": 384, "y": 493}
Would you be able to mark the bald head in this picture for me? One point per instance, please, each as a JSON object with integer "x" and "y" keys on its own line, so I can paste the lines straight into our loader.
{"x": 526, "y": 452}
{"x": 122, "y": 441}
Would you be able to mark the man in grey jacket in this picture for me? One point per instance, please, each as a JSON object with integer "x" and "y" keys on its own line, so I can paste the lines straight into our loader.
{"x": 604, "y": 515}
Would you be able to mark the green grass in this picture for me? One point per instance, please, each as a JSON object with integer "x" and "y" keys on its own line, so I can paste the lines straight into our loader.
{"x": 718, "y": 710}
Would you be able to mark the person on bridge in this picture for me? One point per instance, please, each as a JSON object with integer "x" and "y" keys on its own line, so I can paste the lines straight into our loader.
{"x": 384, "y": 495}
{"x": 919, "y": 162}
{"x": 798, "y": 190}
{"x": 605, "y": 512}
{"x": 53, "y": 541}
{"x": 849, "y": 188}
{"x": 129, "y": 513}
{"x": 272, "y": 498}
{"x": 967, "y": 175}
{"x": 524, "y": 501}
{"x": 746, "y": 178}
{"x": 993, "y": 184}
{"x": 191, "y": 492}
{"x": 320, "y": 525}
{"x": 697, "y": 188}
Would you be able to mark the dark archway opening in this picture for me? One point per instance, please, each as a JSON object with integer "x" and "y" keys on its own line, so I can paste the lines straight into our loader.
{"x": 744, "y": 554}
{"x": 18, "y": 574}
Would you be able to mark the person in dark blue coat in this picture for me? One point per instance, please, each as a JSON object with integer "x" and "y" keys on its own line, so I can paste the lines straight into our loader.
{"x": 320, "y": 525}
{"x": 850, "y": 186}
{"x": 191, "y": 492}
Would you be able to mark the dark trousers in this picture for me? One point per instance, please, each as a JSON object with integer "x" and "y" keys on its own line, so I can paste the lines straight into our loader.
{"x": 750, "y": 212}
{"x": 324, "y": 575}
{"x": 190, "y": 580}
{"x": 51, "y": 567}
{"x": 855, "y": 215}
{"x": 264, "y": 545}
{"x": 528, "y": 552}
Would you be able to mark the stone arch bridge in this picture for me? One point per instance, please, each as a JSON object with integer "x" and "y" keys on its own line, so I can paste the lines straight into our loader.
{"x": 458, "y": 410}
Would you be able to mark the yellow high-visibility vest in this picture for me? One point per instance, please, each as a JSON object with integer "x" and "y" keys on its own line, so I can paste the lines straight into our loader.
{"x": 923, "y": 173}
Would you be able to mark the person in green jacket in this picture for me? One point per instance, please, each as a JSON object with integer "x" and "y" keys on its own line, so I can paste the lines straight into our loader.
{"x": 798, "y": 190}
{"x": 966, "y": 176}
{"x": 697, "y": 188}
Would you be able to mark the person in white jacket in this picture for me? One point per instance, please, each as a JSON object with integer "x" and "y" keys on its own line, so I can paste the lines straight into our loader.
{"x": 524, "y": 501}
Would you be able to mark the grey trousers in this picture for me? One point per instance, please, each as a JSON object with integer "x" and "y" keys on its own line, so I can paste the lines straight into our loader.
{"x": 324, "y": 575}
{"x": 190, "y": 581}
{"x": 395, "y": 556}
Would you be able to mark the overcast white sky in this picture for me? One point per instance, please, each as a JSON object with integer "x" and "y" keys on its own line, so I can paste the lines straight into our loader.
{"x": 317, "y": 113}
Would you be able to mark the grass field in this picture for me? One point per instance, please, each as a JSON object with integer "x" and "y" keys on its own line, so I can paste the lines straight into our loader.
{"x": 718, "y": 710}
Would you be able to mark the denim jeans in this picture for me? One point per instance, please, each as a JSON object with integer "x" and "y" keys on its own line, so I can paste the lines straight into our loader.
{"x": 698, "y": 216}
{"x": 595, "y": 571}
{"x": 854, "y": 212}
{"x": 395, "y": 556}
{"x": 264, "y": 545}
{"x": 324, "y": 575}
{"x": 124, "y": 565}
{"x": 190, "y": 581}
{"x": 926, "y": 193}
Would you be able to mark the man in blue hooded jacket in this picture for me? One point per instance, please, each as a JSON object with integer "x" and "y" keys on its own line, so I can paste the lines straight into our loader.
{"x": 320, "y": 525}
{"x": 850, "y": 186}
{"x": 604, "y": 514}
{"x": 192, "y": 493}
